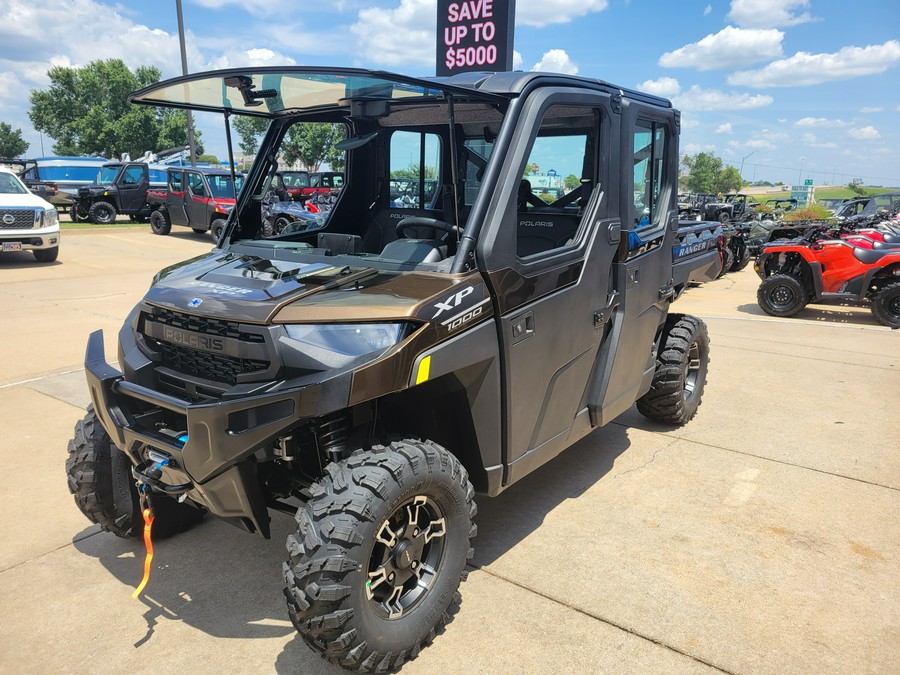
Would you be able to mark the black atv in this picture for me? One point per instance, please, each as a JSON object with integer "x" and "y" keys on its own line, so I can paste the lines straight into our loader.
{"x": 381, "y": 367}
{"x": 121, "y": 188}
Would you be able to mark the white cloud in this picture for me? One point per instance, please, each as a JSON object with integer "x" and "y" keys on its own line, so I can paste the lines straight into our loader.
{"x": 688, "y": 122}
{"x": 753, "y": 144}
{"x": 412, "y": 22}
{"x": 251, "y": 57}
{"x": 768, "y": 13}
{"x": 556, "y": 61}
{"x": 729, "y": 48}
{"x": 540, "y": 13}
{"x": 804, "y": 68}
{"x": 809, "y": 122}
{"x": 696, "y": 98}
{"x": 517, "y": 60}
{"x": 872, "y": 109}
{"x": 257, "y": 7}
{"x": 813, "y": 142}
{"x": 865, "y": 133}
{"x": 693, "y": 148}
{"x": 664, "y": 86}
{"x": 707, "y": 10}
{"x": 725, "y": 129}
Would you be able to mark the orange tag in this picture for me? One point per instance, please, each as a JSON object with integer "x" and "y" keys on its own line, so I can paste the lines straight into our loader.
{"x": 148, "y": 525}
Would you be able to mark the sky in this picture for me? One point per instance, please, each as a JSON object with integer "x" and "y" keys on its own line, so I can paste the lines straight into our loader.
{"x": 789, "y": 89}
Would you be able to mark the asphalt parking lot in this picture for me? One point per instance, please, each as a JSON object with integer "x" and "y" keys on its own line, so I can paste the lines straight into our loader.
{"x": 763, "y": 537}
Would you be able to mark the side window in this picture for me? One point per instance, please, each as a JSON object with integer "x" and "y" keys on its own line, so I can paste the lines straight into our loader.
{"x": 561, "y": 163}
{"x": 176, "y": 181}
{"x": 31, "y": 174}
{"x": 649, "y": 162}
{"x": 195, "y": 182}
{"x": 133, "y": 175}
{"x": 415, "y": 169}
{"x": 477, "y": 152}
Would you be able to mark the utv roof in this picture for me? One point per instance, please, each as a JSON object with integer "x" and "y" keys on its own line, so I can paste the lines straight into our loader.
{"x": 275, "y": 91}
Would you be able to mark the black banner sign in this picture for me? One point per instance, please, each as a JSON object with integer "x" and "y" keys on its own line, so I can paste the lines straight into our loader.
{"x": 475, "y": 35}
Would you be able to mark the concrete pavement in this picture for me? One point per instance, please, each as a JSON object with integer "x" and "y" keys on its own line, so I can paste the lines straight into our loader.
{"x": 763, "y": 537}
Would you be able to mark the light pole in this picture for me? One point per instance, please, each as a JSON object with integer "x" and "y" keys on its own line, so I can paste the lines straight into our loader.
{"x": 800, "y": 179}
{"x": 184, "y": 71}
{"x": 741, "y": 170}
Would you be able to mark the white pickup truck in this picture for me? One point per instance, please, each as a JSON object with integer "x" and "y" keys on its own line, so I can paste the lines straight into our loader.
{"x": 27, "y": 222}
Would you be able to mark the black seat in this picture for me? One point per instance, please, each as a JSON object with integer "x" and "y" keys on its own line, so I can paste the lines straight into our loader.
{"x": 870, "y": 256}
{"x": 382, "y": 230}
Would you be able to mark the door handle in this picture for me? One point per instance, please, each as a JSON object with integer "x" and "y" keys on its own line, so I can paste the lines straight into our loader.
{"x": 601, "y": 316}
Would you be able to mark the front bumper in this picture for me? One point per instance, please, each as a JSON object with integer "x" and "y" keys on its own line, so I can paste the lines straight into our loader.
{"x": 32, "y": 240}
{"x": 211, "y": 455}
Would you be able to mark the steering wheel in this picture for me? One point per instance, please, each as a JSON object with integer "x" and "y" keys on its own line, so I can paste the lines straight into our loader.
{"x": 421, "y": 221}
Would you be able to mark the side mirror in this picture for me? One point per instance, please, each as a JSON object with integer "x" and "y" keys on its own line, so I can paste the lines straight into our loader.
{"x": 40, "y": 191}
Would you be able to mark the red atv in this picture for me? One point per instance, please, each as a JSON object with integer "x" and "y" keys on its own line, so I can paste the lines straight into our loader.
{"x": 816, "y": 268}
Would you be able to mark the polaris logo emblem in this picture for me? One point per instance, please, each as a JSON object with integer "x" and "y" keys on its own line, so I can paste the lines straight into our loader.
{"x": 195, "y": 302}
{"x": 192, "y": 340}
{"x": 452, "y": 302}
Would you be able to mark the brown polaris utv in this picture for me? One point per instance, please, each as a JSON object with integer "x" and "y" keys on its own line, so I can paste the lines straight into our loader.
{"x": 373, "y": 371}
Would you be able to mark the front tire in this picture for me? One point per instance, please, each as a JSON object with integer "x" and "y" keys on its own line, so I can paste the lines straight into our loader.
{"x": 102, "y": 213}
{"x": 742, "y": 261}
{"x": 217, "y": 228}
{"x": 379, "y": 554}
{"x": 280, "y": 225}
{"x": 886, "y": 305}
{"x": 781, "y": 295}
{"x": 46, "y": 255}
{"x": 680, "y": 376}
{"x": 100, "y": 479}
{"x": 160, "y": 223}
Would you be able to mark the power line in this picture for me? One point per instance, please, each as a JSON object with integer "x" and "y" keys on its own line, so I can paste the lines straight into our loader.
{"x": 824, "y": 172}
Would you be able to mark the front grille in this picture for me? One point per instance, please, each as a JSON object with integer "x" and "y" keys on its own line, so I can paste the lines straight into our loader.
{"x": 20, "y": 219}
{"x": 239, "y": 349}
{"x": 200, "y": 324}
{"x": 216, "y": 367}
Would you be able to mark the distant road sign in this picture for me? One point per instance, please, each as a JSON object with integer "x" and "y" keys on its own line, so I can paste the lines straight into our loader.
{"x": 808, "y": 181}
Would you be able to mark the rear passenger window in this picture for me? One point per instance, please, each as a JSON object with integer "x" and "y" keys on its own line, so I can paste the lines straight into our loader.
{"x": 195, "y": 182}
{"x": 415, "y": 170}
{"x": 649, "y": 156}
{"x": 176, "y": 181}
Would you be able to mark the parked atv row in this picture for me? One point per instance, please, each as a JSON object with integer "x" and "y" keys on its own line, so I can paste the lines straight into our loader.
{"x": 832, "y": 263}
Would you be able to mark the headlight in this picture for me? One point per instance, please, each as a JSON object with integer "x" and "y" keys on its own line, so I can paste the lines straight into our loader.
{"x": 353, "y": 339}
{"x": 51, "y": 218}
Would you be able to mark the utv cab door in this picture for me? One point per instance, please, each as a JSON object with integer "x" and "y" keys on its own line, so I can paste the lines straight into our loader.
{"x": 133, "y": 184}
{"x": 196, "y": 201}
{"x": 643, "y": 266}
{"x": 549, "y": 262}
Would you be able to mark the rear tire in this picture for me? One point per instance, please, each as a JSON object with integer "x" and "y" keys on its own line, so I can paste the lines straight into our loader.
{"x": 886, "y": 305}
{"x": 727, "y": 261}
{"x": 199, "y": 230}
{"x": 100, "y": 479}
{"x": 46, "y": 255}
{"x": 781, "y": 295}
{"x": 379, "y": 553}
{"x": 102, "y": 213}
{"x": 741, "y": 262}
{"x": 280, "y": 224}
{"x": 160, "y": 223}
{"x": 681, "y": 367}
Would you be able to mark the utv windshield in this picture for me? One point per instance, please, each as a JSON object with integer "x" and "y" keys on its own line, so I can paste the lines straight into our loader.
{"x": 367, "y": 133}
{"x": 107, "y": 175}
{"x": 220, "y": 186}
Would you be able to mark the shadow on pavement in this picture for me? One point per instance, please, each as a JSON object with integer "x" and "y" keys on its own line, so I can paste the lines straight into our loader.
{"x": 228, "y": 584}
{"x": 510, "y": 517}
{"x": 857, "y": 314}
{"x": 20, "y": 260}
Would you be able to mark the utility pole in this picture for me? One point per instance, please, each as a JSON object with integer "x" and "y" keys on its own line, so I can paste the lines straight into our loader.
{"x": 184, "y": 71}
{"x": 741, "y": 170}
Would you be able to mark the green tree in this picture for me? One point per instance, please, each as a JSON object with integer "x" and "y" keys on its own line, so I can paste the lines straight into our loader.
{"x": 312, "y": 143}
{"x": 209, "y": 159}
{"x": 85, "y": 110}
{"x": 249, "y": 130}
{"x": 707, "y": 174}
{"x": 173, "y": 131}
{"x": 571, "y": 182}
{"x": 412, "y": 172}
{"x": 11, "y": 142}
{"x": 857, "y": 189}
